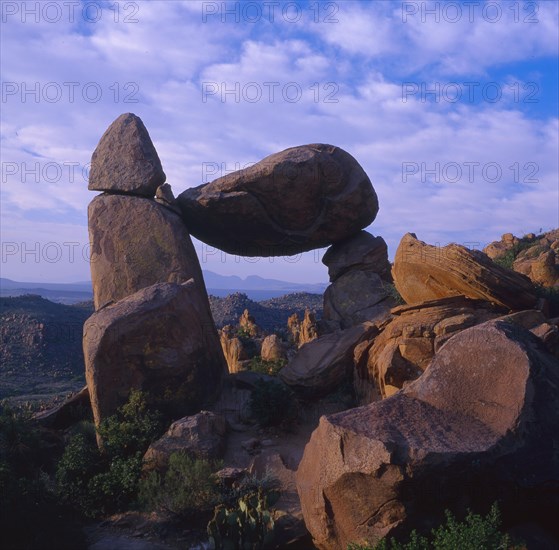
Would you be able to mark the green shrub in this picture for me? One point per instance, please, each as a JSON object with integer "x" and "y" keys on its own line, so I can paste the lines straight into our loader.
{"x": 474, "y": 533}
{"x": 272, "y": 368}
{"x": 188, "y": 486}
{"x": 272, "y": 404}
{"x": 394, "y": 294}
{"x": 104, "y": 482}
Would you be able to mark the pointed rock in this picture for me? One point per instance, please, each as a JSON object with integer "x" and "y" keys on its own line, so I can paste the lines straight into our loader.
{"x": 125, "y": 160}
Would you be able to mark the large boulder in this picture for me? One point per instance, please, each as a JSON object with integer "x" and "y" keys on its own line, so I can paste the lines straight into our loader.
{"x": 273, "y": 349}
{"x": 478, "y": 426}
{"x": 135, "y": 243}
{"x": 321, "y": 365}
{"x": 406, "y": 345}
{"x": 125, "y": 160}
{"x": 202, "y": 435}
{"x": 423, "y": 272}
{"x": 161, "y": 340}
{"x": 360, "y": 252}
{"x": 299, "y": 199}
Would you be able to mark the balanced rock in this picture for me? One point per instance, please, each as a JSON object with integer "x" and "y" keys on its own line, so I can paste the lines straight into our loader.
{"x": 423, "y": 272}
{"x": 135, "y": 243}
{"x": 321, "y": 365}
{"x": 125, "y": 160}
{"x": 299, "y": 199}
{"x": 360, "y": 252}
{"x": 202, "y": 436}
{"x": 478, "y": 426}
{"x": 407, "y": 343}
{"x": 161, "y": 340}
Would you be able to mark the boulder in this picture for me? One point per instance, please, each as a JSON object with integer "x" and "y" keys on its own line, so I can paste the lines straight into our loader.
{"x": 321, "y": 365}
{"x": 407, "y": 343}
{"x": 164, "y": 196}
{"x": 478, "y": 426}
{"x": 161, "y": 340}
{"x": 356, "y": 297}
{"x": 125, "y": 160}
{"x": 299, "y": 199}
{"x": 272, "y": 348}
{"x": 135, "y": 243}
{"x": 72, "y": 410}
{"x": 540, "y": 263}
{"x": 202, "y": 435}
{"x": 498, "y": 249}
{"x": 360, "y": 252}
{"x": 303, "y": 331}
{"x": 423, "y": 272}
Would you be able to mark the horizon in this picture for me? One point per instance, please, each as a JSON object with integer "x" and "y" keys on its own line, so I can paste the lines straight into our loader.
{"x": 460, "y": 140}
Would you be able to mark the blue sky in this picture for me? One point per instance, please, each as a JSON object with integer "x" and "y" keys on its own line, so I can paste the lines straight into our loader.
{"x": 451, "y": 108}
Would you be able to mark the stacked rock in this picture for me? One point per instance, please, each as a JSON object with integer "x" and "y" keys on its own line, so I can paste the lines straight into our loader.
{"x": 152, "y": 329}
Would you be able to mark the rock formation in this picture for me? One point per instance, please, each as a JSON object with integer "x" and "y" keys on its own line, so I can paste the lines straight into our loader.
{"x": 161, "y": 340}
{"x": 299, "y": 199}
{"x": 233, "y": 349}
{"x": 423, "y": 272}
{"x": 272, "y": 348}
{"x": 304, "y": 331}
{"x": 125, "y": 160}
{"x": 478, "y": 426}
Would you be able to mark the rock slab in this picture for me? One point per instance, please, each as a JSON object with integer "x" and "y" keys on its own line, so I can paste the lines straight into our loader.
{"x": 299, "y": 199}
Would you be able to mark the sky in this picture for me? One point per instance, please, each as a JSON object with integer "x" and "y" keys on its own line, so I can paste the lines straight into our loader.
{"x": 450, "y": 107}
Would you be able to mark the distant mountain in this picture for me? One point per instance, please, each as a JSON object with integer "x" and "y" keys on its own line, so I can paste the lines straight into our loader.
{"x": 255, "y": 287}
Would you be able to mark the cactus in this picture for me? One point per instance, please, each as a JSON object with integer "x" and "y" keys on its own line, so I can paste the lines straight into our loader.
{"x": 250, "y": 526}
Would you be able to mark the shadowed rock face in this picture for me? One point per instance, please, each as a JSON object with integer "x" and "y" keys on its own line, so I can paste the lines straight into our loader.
{"x": 299, "y": 199}
{"x": 423, "y": 272}
{"x": 478, "y": 426}
{"x": 135, "y": 243}
{"x": 125, "y": 160}
{"x": 161, "y": 339}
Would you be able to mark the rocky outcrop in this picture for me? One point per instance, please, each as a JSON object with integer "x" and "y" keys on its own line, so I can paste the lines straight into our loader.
{"x": 135, "y": 243}
{"x": 407, "y": 343}
{"x": 303, "y": 331}
{"x": 322, "y": 365}
{"x": 125, "y": 160}
{"x": 360, "y": 252}
{"x": 248, "y": 325}
{"x": 478, "y": 426}
{"x": 299, "y": 199}
{"x": 272, "y": 348}
{"x": 161, "y": 339}
{"x": 202, "y": 435}
{"x": 540, "y": 263}
{"x": 233, "y": 349}
{"x": 423, "y": 272}
{"x": 498, "y": 249}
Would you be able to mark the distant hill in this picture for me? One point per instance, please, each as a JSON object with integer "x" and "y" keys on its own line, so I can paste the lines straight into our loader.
{"x": 255, "y": 287}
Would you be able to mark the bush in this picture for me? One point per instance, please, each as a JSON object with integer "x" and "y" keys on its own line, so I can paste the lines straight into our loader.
{"x": 474, "y": 533}
{"x": 272, "y": 404}
{"x": 104, "y": 482}
{"x": 188, "y": 486}
{"x": 272, "y": 368}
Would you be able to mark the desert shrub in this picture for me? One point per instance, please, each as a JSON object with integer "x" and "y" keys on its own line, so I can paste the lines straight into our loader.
{"x": 272, "y": 404}
{"x": 393, "y": 293}
{"x": 272, "y": 368}
{"x": 507, "y": 259}
{"x": 188, "y": 487}
{"x": 474, "y": 533}
{"x": 104, "y": 482}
